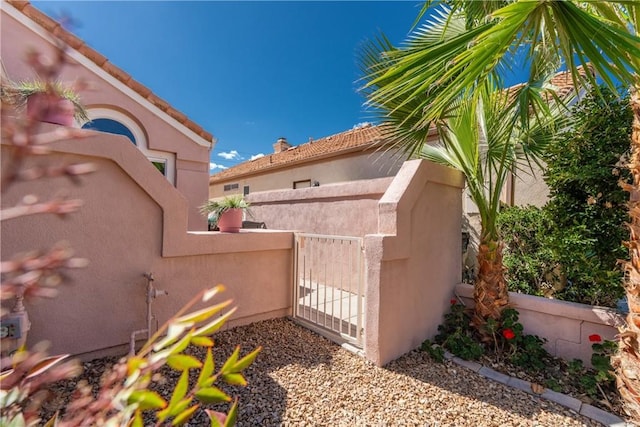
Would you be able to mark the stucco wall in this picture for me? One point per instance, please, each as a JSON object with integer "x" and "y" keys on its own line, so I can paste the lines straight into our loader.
{"x": 530, "y": 188}
{"x": 351, "y": 167}
{"x": 413, "y": 262}
{"x": 565, "y": 325}
{"x": 162, "y": 131}
{"x": 133, "y": 221}
{"x": 347, "y": 209}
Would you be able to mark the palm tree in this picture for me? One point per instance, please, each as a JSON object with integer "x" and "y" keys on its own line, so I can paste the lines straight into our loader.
{"x": 486, "y": 133}
{"x": 465, "y": 45}
{"x": 486, "y": 142}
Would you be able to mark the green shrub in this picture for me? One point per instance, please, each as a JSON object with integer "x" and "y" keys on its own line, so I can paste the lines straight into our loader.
{"x": 456, "y": 334}
{"x": 528, "y": 258}
{"x": 570, "y": 249}
{"x": 508, "y": 340}
{"x": 587, "y": 206}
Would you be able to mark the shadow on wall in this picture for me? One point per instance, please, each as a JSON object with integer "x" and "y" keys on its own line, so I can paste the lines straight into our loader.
{"x": 470, "y": 240}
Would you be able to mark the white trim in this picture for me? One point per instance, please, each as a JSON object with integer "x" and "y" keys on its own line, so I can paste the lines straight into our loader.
{"x": 141, "y": 139}
{"x": 91, "y": 66}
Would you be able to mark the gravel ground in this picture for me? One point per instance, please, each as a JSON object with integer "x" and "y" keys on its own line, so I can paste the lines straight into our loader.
{"x": 302, "y": 379}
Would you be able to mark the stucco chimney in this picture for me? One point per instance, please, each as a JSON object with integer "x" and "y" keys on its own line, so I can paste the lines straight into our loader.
{"x": 281, "y": 145}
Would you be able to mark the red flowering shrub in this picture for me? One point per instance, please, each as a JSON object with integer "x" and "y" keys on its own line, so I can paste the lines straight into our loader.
{"x": 595, "y": 338}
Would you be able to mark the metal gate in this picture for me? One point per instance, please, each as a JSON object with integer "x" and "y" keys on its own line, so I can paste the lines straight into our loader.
{"x": 329, "y": 286}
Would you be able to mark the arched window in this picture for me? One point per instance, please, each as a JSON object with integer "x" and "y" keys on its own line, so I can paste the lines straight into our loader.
{"x": 110, "y": 126}
{"x": 112, "y": 121}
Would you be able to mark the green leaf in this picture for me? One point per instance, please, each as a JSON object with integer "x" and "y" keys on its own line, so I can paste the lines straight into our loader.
{"x": 137, "y": 419}
{"x": 180, "y": 391}
{"x": 181, "y": 406}
{"x": 232, "y": 415}
{"x": 212, "y": 395}
{"x": 184, "y": 416}
{"x": 8, "y": 398}
{"x": 231, "y": 361}
{"x": 243, "y": 363}
{"x": 181, "y": 345}
{"x": 134, "y": 363}
{"x": 214, "y": 325}
{"x": 207, "y": 369}
{"x": 146, "y": 399}
{"x": 234, "y": 379}
{"x": 204, "y": 314}
{"x": 202, "y": 341}
{"x": 181, "y": 362}
{"x": 162, "y": 415}
{"x": 174, "y": 331}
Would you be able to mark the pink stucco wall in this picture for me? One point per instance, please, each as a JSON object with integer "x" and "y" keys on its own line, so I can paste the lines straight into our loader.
{"x": 134, "y": 221}
{"x": 413, "y": 262}
{"x": 565, "y": 325}
{"x": 192, "y": 160}
{"x": 411, "y": 224}
{"x": 348, "y": 208}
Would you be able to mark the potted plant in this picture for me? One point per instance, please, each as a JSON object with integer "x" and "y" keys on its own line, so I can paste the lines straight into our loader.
{"x": 226, "y": 213}
{"x": 48, "y": 102}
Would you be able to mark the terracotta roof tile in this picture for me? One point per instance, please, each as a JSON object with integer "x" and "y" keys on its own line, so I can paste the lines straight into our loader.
{"x": 116, "y": 72}
{"x": 354, "y": 139}
{"x": 177, "y": 115}
{"x": 100, "y": 60}
{"x": 68, "y": 38}
{"x": 194, "y": 127}
{"x": 95, "y": 56}
{"x": 139, "y": 87}
{"x": 158, "y": 102}
{"x": 19, "y": 4}
{"x": 562, "y": 81}
{"x": 40, "y": 18}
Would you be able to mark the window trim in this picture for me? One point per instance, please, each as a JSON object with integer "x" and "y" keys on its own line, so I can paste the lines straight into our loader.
{"x": 141, "y": 139}
{"x": 304, "y": 181}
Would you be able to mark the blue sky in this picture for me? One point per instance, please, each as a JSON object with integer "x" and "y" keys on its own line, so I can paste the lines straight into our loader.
{"x": 249, "y": 72}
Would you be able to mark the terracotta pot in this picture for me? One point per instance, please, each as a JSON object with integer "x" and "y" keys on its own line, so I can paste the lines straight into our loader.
{"x": 231, "y": 221}
{"x": 51, "y": 109}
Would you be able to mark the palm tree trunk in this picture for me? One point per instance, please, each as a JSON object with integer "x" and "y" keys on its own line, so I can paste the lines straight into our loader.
{"x": 490, "y": 289}
{"x": 627, "y": 361}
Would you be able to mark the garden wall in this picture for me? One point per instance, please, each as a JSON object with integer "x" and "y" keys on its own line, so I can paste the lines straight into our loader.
{"x": 411, "y": 227}
{"x": 347, "y": 209}
{"x": 413, "y": 262}
{"x": 134, "y": 221}
{"x": 565, "y": 325}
